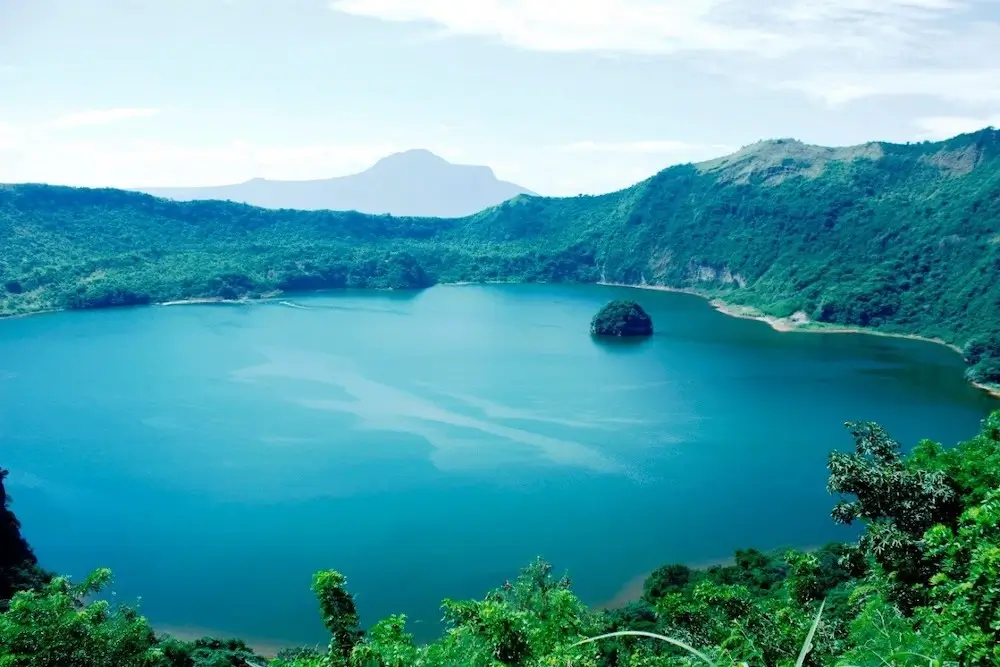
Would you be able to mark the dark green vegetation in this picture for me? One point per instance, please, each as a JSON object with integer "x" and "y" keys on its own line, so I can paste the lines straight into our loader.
{"x": 18, "y": 566}
{"x": 921, "y": 587}
{"x": 621, "y": 318}
{"x": 899, "y": 238}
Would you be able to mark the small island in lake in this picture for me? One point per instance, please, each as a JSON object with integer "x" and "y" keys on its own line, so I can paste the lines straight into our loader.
{"x": 621, "y": 318}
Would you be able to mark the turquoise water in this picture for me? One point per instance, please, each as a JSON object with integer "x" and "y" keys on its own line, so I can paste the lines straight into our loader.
{"x": 430, "y": 444}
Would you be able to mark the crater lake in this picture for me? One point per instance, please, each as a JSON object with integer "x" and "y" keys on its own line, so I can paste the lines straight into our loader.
{"x": 430, "y": 444}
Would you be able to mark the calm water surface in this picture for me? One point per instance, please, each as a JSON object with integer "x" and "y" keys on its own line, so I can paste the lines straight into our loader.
{"x": 430, "y": 444}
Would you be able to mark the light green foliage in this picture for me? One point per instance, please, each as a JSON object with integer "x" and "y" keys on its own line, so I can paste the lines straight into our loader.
{"x": 882, "y": 636}
{"x": 760, "y": 630}
{"x": 339, "y": 614}
{"x": 55, "y": 627}
{"x": 300, "y": 657}
{"x": 532, "y": 622}
{"x": 387, "y": 644}
{"x": 898, "y": 503}
{"x": 803, "y": 580}
{"x": 973, "y": 467}
{"x": 964, "y": 609}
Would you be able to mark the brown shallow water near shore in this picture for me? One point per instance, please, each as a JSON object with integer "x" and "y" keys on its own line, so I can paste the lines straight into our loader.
{"x": 632, "y": 591}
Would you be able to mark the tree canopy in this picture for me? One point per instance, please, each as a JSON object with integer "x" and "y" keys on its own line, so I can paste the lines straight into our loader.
{"x": 621, "y": 318}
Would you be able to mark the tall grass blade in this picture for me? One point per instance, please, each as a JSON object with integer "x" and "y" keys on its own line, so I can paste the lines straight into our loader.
{"x": 807, "y": 646}
{"x": 638, "y": 633}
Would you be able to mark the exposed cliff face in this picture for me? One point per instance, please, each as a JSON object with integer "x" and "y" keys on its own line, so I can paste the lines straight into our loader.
{"x": 957, "y": 162}
{"x": 773, "y": 161}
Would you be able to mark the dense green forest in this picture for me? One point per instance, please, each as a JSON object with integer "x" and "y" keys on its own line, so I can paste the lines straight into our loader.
{"x": 920, "y": 588}
{"x": 899, "y": 238}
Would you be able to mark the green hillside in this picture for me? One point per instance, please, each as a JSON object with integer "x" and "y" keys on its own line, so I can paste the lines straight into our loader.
{"x": 899, "y": 238}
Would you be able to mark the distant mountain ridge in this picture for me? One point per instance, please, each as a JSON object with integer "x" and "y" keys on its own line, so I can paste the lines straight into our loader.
{"x": 411, "y": 183}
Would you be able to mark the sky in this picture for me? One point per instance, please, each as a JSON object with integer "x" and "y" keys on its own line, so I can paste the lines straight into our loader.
{"x": 560, "y": 96}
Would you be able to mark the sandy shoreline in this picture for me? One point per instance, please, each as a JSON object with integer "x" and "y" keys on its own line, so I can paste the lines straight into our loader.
{"x": 799, "y": 324}
{"x": 178, "y": 302}
{"x": 43, "y": 311}
{"x": 633, "y": 590}
{"x": 191, "y": 302}
{"x": 265, "y": 647}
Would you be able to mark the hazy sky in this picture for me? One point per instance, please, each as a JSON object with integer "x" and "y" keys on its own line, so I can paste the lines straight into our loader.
{"x": 561, "y": 96}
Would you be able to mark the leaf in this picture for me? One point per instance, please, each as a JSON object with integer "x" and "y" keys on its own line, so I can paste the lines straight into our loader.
{"x": 807, "y": 646}
{"x": 638, "y": 633}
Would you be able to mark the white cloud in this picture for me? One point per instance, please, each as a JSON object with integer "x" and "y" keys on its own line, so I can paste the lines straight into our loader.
{"x": 943, "y": 127}
{"x": 142, "y": 163}
{"x": 22, "y": 146}
{"x": 41, "y": 153}
{"x": 825, "y": 10}
{"x": 53, "y": 151}
{"x": 99, "y": 117}
{"x": 643, "y": 26}
{"x": 10, "y": 136}
{"x": 972, "y": 86}
{"x": 837, "y": 51}
{"x": 666, "y": 26}
{"x": 651, "y": 146}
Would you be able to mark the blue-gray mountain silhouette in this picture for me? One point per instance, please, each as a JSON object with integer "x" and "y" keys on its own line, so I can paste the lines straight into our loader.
{"x": 415, "y": 182}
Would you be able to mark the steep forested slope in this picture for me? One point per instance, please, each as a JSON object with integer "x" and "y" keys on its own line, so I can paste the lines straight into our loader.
{"x": 18, "y": 566}
{"x": 902, "y": 238}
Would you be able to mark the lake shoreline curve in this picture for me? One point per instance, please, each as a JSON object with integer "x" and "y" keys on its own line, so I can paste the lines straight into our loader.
{"x": 797, "y": 323}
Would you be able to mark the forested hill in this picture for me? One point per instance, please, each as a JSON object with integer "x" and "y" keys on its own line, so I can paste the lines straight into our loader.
{"x": 901, "y": 238}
